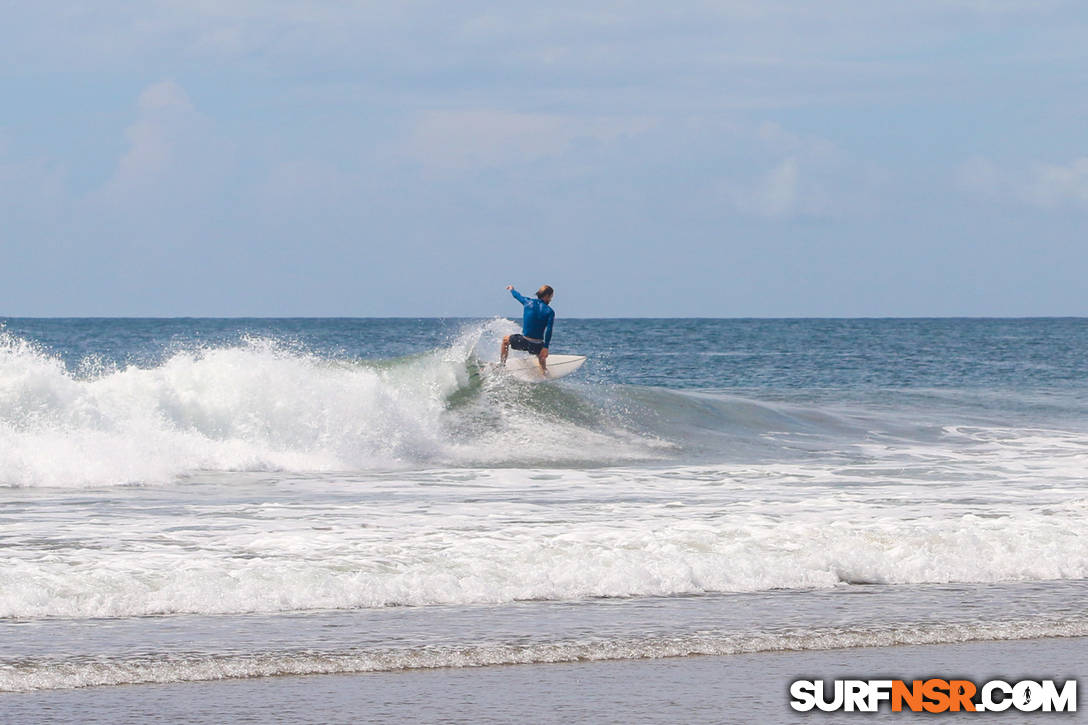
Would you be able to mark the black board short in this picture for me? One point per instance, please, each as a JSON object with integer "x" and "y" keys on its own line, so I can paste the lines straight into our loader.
{"x": 520, "y": 342}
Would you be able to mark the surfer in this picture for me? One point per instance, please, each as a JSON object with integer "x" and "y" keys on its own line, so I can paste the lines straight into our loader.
{"x": 536, "y": 326}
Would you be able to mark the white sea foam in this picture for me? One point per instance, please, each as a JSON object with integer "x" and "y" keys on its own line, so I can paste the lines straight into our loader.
{"x": 49, "y": 674}
{"x": 531, "y": 535}
{"x": 261, "y": 406}
{"x": 962, "y": 504}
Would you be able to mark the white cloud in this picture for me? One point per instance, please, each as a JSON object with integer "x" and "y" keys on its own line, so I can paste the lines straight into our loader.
{"x": 168, "y": 185}
{"x": 774, "y": 194}
{"x": 1054, "y": 185}
{"x": 165, "y": 122}
{"x": 164, "y": 95}
{"x": 459, "y": 139}
{"x": 1042, "y": 185}
{"x": 172, "y": 147}
{"x": 696, "y": 163}
{"x": 783, "y": 174}
{"x": 781, "y": 140}
{"x": 781, "y": 52}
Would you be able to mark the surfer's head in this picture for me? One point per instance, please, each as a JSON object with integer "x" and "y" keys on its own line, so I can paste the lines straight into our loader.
{"x": 544, "y": 294}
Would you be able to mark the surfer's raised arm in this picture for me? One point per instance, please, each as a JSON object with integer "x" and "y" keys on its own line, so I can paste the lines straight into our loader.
{"x": 517, "y": 295}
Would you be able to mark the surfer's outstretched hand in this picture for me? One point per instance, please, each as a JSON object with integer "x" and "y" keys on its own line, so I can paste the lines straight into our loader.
{"x": 509, "y": 287}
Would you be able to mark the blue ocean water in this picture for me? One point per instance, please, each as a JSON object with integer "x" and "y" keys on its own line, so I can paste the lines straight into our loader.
{"x": 1033, "y": 353}
{"x": 189, "y": 499}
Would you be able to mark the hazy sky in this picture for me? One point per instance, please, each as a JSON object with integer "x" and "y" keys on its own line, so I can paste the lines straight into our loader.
{"x": 764, "y": 158}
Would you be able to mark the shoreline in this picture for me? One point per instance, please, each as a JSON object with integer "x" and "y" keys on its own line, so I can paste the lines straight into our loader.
{"x": 701, "y": 688}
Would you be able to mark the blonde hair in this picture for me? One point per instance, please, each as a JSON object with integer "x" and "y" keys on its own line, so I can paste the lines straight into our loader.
{"x": 545, "y": 291}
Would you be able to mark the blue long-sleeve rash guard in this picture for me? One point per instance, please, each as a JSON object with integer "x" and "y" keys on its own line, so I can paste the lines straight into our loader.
{"x": 536, "y": 321}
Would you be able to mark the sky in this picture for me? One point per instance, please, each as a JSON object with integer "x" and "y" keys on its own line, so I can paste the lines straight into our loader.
{"x": 771, "y": 158}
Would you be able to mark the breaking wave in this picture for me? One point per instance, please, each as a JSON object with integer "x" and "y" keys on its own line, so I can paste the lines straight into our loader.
{"x": 262, "y": 405}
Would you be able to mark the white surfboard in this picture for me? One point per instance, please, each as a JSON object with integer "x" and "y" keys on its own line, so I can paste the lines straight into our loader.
{"x": 527, "y": 369}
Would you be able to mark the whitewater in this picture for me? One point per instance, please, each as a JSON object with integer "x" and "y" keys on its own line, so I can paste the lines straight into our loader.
{"x": 202, "y": 499}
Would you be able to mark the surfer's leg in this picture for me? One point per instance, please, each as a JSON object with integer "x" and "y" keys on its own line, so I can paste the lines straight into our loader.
{"x": 505, "y": 349}
{"x": 541, "y": 353}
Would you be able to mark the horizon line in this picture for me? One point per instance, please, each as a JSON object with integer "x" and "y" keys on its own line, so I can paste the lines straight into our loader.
{"x": 489, "y": 317}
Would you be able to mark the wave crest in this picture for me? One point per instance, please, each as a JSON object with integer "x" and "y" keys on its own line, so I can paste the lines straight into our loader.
{"x": 264, "y": 405}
